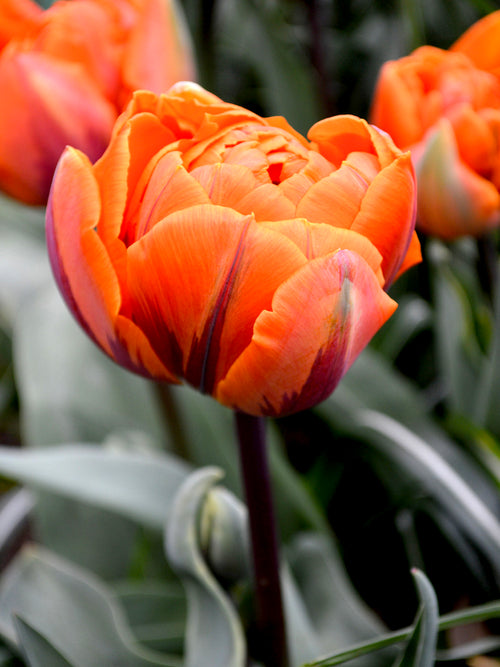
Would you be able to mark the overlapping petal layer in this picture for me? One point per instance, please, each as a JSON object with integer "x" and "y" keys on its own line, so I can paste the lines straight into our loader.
{"x": 217, "y": 247}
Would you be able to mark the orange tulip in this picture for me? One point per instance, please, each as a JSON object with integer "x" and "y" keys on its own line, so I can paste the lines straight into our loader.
{"x": 67, "y": 72}
{"x": 214, "y": 246}
{"x": 446, "y": 109}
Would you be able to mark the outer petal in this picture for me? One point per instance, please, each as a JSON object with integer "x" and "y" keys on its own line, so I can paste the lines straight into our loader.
{"x": 69, "y": 110}
{"x": 387, "y": 214}
{"x": 321, "y": 318}
{"x": 395, "y": 105}
{"x": 480, "y": 43}
{"x": 452, "y": 199}
{"x": 197, "y": 282}
{"x": 83, "y": 269}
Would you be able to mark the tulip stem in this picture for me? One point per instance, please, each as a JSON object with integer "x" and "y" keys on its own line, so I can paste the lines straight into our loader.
{"x": 271, "y": 639}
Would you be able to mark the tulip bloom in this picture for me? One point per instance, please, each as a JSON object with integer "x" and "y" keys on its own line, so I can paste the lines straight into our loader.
{"x": 214, "y": 246}
{"x": 445, "y": 107}
{"x": 66, "y": 74}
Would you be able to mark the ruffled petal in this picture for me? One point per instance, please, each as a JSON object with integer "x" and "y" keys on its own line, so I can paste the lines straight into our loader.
{"x": 337, "y": 136}
{"x": 197, "y": 282}
{"x": 321, "y": 319}
{"x": 334, "y": 200}
{"x": 235, "y": 186}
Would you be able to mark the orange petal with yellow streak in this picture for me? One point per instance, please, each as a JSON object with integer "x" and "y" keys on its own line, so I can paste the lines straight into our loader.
{"x": 83, "y": 269}
{"x": 321, "y": 318}
{"x": 197, "y": 282}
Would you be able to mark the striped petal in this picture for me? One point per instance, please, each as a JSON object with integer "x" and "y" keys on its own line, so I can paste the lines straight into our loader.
{"x": 321, "y": 318}
{"x": 197, "y": 282}
{"x": 84, "y": 271}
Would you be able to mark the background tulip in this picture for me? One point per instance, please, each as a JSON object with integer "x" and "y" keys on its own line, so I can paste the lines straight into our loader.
{"x": 65, "y": 74}
{"x": 445, "y": 107}
{"x": 211, "y": 245}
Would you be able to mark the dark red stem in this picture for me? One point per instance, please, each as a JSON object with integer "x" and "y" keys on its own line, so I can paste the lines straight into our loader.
{"x": 271, "y": 642}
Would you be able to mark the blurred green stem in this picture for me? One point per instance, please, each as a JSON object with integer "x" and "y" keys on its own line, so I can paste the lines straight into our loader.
{"x": 487, "y": 265}
{"x": 411, "y": 12}
{"x": 271, "y": 639}
{"x": 172, "y": 418}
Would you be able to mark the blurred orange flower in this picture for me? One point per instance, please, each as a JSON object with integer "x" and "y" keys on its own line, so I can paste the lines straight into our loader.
{"x": 211, "y": 245}
{"x": 445, "y": 107}
{"x": 67, "y": 72}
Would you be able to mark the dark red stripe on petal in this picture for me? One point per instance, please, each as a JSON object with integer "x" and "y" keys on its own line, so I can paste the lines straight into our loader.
{"x": 204, "y": 353}
{"x": 329, "y": 365}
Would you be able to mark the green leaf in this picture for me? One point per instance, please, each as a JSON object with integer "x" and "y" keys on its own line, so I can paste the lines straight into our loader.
{"x": 337, "y": 614}
{"x": 458, "y": 353}
{"x": 413, "y": 455}
{"x": 284, "y": 73}
{"x": 214, "y": 635}
{"x": 137, "y": 486}
{"x": 487, "y": 399}
{"x": 24, "y": 267}
{"x": 66, "y": 609}
{"x": 421, "y": 648}
{"x": 464, "y": 617}
{"x": 156, "y": 612}
{"x": 37, "y": 650}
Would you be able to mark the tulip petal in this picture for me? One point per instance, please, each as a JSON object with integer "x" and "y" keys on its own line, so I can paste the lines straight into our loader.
{"x": 235, "y": 186}
{"x": 80, "y": 262}
{"x": 452, "y": 199}
{"x": 83, "y": 269}
{"x": 480, "y": 43}
{"x": 197, "y": 282}
{"x": 69, "y": 110}
{"x": 334, "y": 200}
{"x": 316, "y": 240}
{"x": 316, "y": 168}
{"x": 18, "y": 18}
{"x": 170, "y": 188}
{"x": 385, "y": 217}
{"x": 337, "y": 136}
{"x": 160, "y": 37}
{"x": 321, "y": 318}
{"x": 141, "y": 137}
